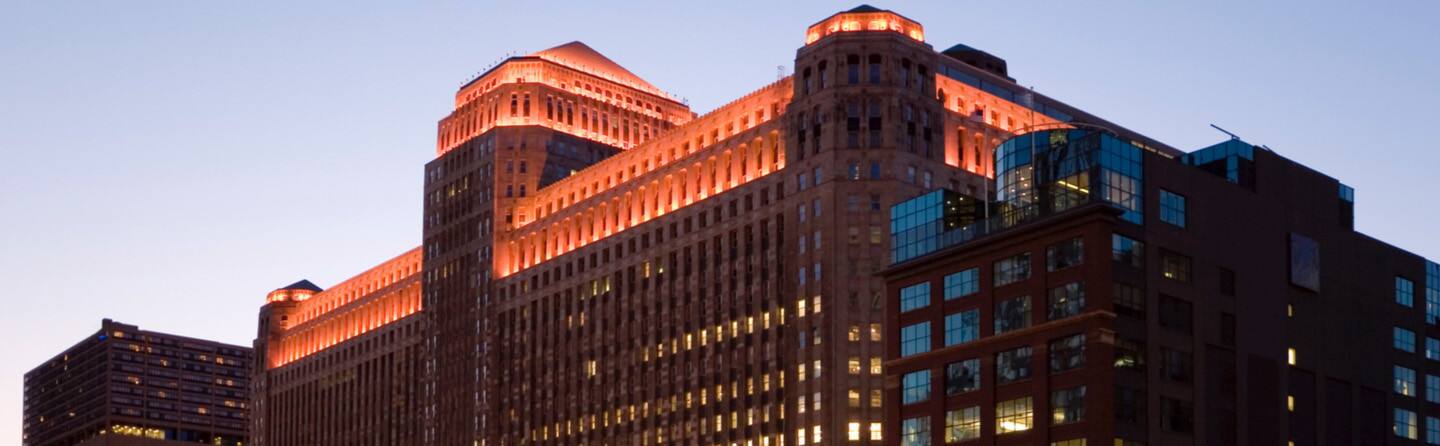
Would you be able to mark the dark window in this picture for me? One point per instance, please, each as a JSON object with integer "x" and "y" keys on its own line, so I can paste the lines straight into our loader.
{"x": 1304, "y": 262}
{"x": 1067, "y": 353}
{"x": 1172, "y": 208}
{"x": 1227, "y": 282}
{"x": 1127, "y": 251}
{"x": 1012, "y": 365}
{"x": 1066, "y": 300}
{"x": 1012, "y": 314}
{"x": 962, "y": 376}
{"x": 852, "y": 69}
{"x": 1129, "y": 405}
{"x": 1175, "y": 365}
{"x": 1129, "y": 301}
{"x": 1064, "y": 254}
{"x": 962, "y": 327}
{"x": 1176, "y": 415}
{"x": 916, "y": 387}
{"x": 1175, "y": 314}
{"x": 1011, "y": 270}
{"x": 1175, "y": 266}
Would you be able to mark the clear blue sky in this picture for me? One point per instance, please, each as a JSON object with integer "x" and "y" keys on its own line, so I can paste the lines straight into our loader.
{"x": 168, "y": 163}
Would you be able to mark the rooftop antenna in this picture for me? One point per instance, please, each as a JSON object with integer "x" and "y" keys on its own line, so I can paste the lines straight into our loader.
{"x": 779, "y": 72}
{"x": 1227, "y": 132}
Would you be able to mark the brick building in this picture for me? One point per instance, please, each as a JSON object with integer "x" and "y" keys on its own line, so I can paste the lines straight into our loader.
{"x": 1120, "y": 294}
{"x": 123, "y": 386}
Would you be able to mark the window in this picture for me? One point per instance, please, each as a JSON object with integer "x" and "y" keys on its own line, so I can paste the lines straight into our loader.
{"x": 1406, "y": 424}
{"x": 1013, "y": 269}
{"x": 1012, "y": 314}
{"x": 1066, "y": 300}
{"x": 1175, "y": 314}
{"x": 1067, "y": 405}
{"x": 1065, "y": 254}
{"x": 1405, "y": 381}
{"x": 1012, "y": 365}
{"x": 1432, "y": 430}
{"x": 962, "y": 376}
{"x": 1015, "y": 415}
{"x": 1176, "y": 415}
{"x": 1175, "y": 365}
{"x": 1127, "y": 251}
{"x": 1129, "y": 404}
{"x": 962, "y": 284}
{"x": 1404, "y": 340}
{"x": 852, "y": 431}
{"x": 1076, "y": 442}
{"x": 962, "y": 424}
{"x": 1129, "y": 354}
{"x": 1172, "y": 208}
{"x": 916, "y": 387}
{"x": 1175, "y": 266}
{"x": 1432, "y": 349}
{"x": 915, "y": 432}
{"x": 914, "y": 296}
{"x": 962, "y": 327}
{"x": 1432, "y": 388}
{"x": 915, "y": 339}
{"x": 1404, "y": 291}
{"x": 1067, "y": 353}
{"x": 1129, "y": 301}
{"x": 875, "y": 432}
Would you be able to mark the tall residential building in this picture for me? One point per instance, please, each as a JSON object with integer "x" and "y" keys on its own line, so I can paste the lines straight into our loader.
{"x": 341, "y": 366}
{"x": 124, "y": 386}
{"x": 601, "y": 265}
{"x": 1118, "y": 295}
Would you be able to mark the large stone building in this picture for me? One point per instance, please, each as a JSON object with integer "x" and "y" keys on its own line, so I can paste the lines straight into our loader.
{"x": 341, "y": 366}
{"x": 123, "y": 386}
{"x": 601, "y": 265}
{"x": 1117, "y": 295}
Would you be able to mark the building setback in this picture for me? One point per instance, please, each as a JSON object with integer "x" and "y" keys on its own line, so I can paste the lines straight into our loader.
{"x": 1118, "y": 295}
{"x": 124, "y": 386}
{"x": 341, "y": 366}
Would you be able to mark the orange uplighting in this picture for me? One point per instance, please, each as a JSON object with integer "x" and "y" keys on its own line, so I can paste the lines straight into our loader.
{"x": 865, "y": 19}
{"x": 737, "y": 143}
{"x": 375, "y": 298}
{"x": 597, "y": 99}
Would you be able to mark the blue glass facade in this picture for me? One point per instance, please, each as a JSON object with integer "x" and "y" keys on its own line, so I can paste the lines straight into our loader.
{"x": 1432, "y": 293}
{"x": 1050, "y": 171}
{"x": 927, "y": 223}
{"x": 1233, "y": 160}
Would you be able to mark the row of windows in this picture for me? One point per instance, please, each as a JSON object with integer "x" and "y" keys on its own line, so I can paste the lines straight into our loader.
{"x": 1009, "y": 270}
{"x": 1011, "y": 416}
{"x": 1014, "y": 365}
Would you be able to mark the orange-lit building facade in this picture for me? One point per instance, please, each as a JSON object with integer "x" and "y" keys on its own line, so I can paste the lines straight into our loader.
{"x": 602, "y": 265}
{"x": 341, "y": 366}
{"x": 704, "y": 280}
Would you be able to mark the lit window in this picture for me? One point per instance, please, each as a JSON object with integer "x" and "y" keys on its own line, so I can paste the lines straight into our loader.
{"x": 1015, "y": 415}
{"x": 1404, "y": 381}
{"x": 1406, "y": 424}
{"x": 1067, "y": 405}
{"x": 875, "y": 432}
{"x": 962, "y": 424}
{"x": 1066, "y": 300}
{"x": 1175, "y": 266}
{"x": 852, "y": 431}
{"x": 1290, "y": 356}
{"x": 915, "y": 432}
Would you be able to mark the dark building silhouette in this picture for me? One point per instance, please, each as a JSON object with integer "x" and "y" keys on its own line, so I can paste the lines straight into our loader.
{"x": 125, "y": 386}
{"x": 1115, "y": 294}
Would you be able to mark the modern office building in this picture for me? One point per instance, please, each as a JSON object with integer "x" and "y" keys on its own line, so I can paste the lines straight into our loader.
{"x": 602, "y": 265}
{"x": 341, "y": 366}
{"x": 1119, "y": 294}
{"x": 124, "y": 386}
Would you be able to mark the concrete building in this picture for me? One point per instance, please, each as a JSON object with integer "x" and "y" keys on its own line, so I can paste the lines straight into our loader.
{"x": 124, "y": 386}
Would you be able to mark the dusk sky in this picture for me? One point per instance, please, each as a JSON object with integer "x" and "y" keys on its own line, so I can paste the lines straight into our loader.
{"x": 166, "y": 164}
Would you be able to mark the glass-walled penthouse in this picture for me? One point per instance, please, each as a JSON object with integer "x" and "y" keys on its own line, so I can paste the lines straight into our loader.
{"x": 1053, "y": 170}
{"x": 1039, "y": 174}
